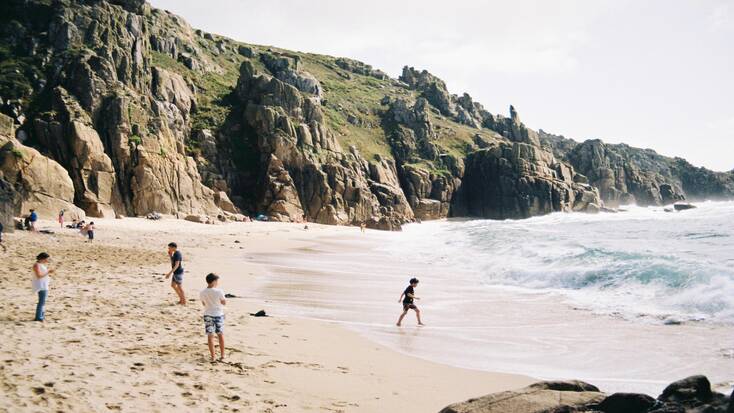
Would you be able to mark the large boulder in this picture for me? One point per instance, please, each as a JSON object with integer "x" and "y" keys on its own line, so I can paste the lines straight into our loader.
{"x": 280, "y": 201}
{"x": 76, "y": 145}
{"x": 42, "y": 183}
{"x": 627, "y": 403}
{"x": 540, "y": 397}
{"x": 9, "y": 204}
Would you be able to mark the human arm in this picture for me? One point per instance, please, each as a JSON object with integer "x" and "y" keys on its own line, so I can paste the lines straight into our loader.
{"x": 174, "y": 267}
{"x": 400, "y": 300}
{"x": 222, "y": 298}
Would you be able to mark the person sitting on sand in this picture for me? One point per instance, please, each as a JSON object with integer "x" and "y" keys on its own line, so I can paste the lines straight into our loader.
{"x": 89, "y": 229}
{"x": 41, "y": 279}
{"x": 407, "y": 298}
{"x": 177, "y": 271}
{"x": 213, "y": 300}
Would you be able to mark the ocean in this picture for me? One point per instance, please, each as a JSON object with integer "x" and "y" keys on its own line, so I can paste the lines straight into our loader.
{"x": 641, "y": 263}
{"x": 629, "y": 301}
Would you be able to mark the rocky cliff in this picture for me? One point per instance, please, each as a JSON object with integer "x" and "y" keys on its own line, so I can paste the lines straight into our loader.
{"x": 627, "y": 175}
{"x": 133, "y": 111}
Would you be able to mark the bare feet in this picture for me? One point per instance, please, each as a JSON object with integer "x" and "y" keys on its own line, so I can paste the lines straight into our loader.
{"x": 398, "y": 324}
{"x": 421, "y": 324}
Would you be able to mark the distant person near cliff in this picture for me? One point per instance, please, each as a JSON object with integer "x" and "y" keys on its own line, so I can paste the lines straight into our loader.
{"x": 407, "y": 298}
{"x": 61, "y": 218}
{"x": 177, "y": 272}
{"x": 1, "y": 238}
{"x": 30, "y": 221}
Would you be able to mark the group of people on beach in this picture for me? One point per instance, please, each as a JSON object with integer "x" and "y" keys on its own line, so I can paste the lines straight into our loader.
{"x": 212, "y": 298}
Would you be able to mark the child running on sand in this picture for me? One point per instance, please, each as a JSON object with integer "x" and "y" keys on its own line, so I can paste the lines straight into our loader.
{"x": 213, "y": 300}
{"x": 407, "y": 298}
{"x": 177, "y": 271}
{"x": 41, "y": 279}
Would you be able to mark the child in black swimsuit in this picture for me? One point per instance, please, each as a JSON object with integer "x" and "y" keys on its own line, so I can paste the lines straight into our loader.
{"x": 407, "y": 298}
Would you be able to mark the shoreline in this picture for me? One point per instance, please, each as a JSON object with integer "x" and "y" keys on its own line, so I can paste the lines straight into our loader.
{"x": 560, "y": 340}
{"x": 110, "y": 316}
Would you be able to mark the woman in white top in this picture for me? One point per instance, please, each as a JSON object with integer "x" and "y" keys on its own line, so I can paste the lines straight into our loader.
{"x": 41, "y": 279}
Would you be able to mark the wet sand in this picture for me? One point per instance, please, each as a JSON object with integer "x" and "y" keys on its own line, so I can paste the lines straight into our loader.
{"x": 355, "y": 283}
{"x": 115, "y": 341}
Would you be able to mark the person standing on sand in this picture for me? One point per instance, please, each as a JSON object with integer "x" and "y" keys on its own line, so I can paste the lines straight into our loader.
{"x": 177, "y": 272}
{"x": 32, "y": 218}
{"x": 61, "y": 218}
{"x": 407, "y": 298}
{"x": 41, "y": 279}
{"x": 362, "y": 227}
{"x": 90, "y": 231}
{"x": 214, "y": 301}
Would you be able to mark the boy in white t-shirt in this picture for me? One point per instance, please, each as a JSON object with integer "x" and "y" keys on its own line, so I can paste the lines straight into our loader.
{"x": 213, "y": 300}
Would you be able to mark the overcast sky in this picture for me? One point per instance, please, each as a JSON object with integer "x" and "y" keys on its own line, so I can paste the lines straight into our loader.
{"x": 656, "y": 74}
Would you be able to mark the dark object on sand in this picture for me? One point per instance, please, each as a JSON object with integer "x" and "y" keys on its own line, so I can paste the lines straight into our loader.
{"x": 683, "y": 207}
{"x": 155, "y": 216}
{"x": 46, "y": 231}
{"x": 230, "y": 296}
{"x": 260, "y": 313}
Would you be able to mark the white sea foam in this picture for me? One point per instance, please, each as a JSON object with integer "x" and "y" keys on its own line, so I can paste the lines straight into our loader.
{"x": 496, "y": 294}
{"x": 643, "y": 261}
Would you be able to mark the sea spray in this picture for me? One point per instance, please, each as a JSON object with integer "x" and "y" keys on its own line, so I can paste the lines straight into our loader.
{"x": 643, "y": 263}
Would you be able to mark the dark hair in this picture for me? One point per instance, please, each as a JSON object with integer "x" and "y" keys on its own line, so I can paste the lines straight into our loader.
{"x": 211, "y": 277}
{"x": 172, "y": 245}
{"x": 414, "y": 281}
{"x": 91, "y": 223}
{"x": 42, "y": 256}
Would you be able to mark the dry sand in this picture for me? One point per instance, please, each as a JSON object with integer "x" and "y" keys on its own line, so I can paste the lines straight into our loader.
{"x": 115, "y": 340}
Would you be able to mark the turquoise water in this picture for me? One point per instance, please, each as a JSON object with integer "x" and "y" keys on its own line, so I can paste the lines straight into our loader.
{"x": 669, "y": 266}
{"x": 629, "y": 301}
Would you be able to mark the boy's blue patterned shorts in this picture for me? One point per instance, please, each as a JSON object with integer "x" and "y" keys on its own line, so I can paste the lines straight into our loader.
{"x": 213, "y": 324}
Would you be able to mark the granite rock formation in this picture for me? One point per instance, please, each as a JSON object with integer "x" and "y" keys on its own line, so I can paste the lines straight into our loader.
{"x": 692, "y": 394}
{"x": 134, "y": 111}
{"x": 626, "y": 175}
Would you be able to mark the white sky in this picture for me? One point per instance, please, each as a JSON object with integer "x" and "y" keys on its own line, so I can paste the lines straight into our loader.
{"x": 656, "y": 74}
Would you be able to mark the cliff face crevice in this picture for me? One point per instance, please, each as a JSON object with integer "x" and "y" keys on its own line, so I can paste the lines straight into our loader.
{"x": 134, "y": 111}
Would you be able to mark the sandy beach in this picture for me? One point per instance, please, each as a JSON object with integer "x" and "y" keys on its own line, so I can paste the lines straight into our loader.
{"x": 115, "y": 341}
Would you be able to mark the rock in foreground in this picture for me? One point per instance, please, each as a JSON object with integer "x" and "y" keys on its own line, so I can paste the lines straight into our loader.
{"x": 692, "y": 394}
{"x": 536, "y": 398}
